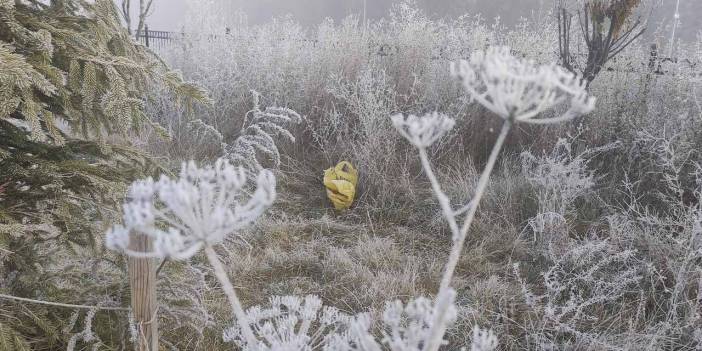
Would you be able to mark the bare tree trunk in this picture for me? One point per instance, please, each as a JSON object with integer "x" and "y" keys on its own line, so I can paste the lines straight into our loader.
{"x": 144, "y": 9}
{"x": 142, "y": 281}
{"x": 126, "y": 6}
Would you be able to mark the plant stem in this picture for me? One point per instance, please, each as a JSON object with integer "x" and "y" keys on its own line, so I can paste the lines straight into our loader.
{"x": 444, "y": 201}
{"x": 231, "y": 295}
{"x": 438, "y": 326}
{"x": 160, "y": 266}
{"x": 460, "y": 239}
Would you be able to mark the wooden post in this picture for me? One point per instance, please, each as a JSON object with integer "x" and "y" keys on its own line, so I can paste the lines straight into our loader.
{"x": 142, "y": 282}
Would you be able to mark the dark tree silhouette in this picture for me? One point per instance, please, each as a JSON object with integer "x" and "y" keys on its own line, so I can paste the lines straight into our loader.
{"x": 607, "y": 27}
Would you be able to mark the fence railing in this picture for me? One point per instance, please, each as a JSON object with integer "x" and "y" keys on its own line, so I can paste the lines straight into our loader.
{"x": 157, "y": 39}
{"x": 654, "y": 64}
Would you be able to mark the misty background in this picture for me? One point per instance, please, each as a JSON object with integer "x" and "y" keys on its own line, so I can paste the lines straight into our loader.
{"x": 170, "y": 15}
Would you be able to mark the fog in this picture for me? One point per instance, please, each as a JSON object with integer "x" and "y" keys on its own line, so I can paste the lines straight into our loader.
{"x": 171, "y": 14}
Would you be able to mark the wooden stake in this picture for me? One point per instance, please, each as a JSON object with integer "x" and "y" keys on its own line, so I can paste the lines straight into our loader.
{"x": 142, "y": 282}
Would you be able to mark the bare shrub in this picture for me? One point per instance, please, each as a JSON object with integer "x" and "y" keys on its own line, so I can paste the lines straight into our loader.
{"x": 582, "y": 279}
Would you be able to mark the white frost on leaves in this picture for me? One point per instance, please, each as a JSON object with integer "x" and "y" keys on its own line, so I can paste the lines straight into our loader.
{"x": 201, "y": 207}
{"x": 422, "y": 132}
{"x": 519, "y": 90}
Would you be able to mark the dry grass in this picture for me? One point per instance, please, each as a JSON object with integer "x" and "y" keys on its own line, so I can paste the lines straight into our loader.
{"x": 392, "y": 243}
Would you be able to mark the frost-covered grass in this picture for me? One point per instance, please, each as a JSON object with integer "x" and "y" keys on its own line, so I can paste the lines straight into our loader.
{"x": 588, "y": 235}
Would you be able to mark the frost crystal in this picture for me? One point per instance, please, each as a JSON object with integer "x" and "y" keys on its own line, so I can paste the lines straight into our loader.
{"x": 518, "y": 90}
{"x": 423, "y": 131}
{"x": 200, "y": 208}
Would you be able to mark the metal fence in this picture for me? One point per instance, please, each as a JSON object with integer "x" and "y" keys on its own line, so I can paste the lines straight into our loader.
{"x": 654, "y": 64}
{"x": 157, "y": 39}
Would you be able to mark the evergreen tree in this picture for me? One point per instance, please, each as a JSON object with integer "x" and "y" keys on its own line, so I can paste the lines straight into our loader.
{"x": 72, "y": 61}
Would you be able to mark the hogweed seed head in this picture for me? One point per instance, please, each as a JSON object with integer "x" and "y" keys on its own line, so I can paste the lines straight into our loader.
{"x": 201, "y": 207}
{"x": 518, "y": 90}
{"x": 422, "y": 132}
{"x": 304, "y": 324}
{"x": 291, "y": 323}
{"x": 411, "y": 326}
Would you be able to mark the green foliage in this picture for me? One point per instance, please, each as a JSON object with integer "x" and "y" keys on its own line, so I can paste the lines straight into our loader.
{"x": 72, "y": 60}
{"x": 55, "y": 203}
{"x": 11, "y": 340}
{"x": 67, "y": 67}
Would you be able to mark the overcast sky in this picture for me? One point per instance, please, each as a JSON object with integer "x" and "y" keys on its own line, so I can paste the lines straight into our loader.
{"x": 170, "y": 15}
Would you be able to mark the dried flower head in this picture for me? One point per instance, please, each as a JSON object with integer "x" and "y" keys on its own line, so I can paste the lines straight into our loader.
{"x": 518, "y": 90}
{"x": 419, "y": 323}
{"x": 303, "y": 324}
{"x": 202, "y": 207}
{"x": 290, "y": 323}
{"x": 416, "y": 326}
{"x": 423, "y": 131}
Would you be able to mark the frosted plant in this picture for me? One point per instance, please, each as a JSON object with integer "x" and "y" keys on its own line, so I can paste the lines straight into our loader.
{"x": 182, "y": 291}
{"x": 560, "y": 176}
{"x": 675, "y": 233}
{"x": 201, "y": 208}
{"x": 204, "y": 132}
{"x": 514, "y": 89}
{"x": 203, "y": 140}
{"x": 290, "y": 323}
{"x": 519, "y": 91}
{"x": 295, "y": 324}
{"x": 549, "y": 233}
{"x": 255, "y": 145}
{"x": 422, "y": 132}
{"x": 405, "y": 327}
{"x": 589, "y": 275}
{"x": 411, "y": 327}
{"x": 258, "y": 131}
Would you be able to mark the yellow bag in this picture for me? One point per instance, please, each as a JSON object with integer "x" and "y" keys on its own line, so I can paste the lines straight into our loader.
{"x": 341, "y": 182}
